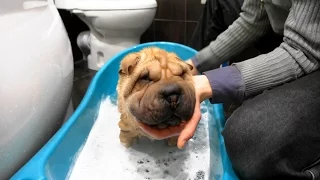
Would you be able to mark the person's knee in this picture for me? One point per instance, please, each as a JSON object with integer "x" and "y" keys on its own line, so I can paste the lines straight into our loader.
{"x": 264, "y": 137}
{"x": 264, "y": 144}
{"x": 250, "y": 139}
{"x": 243, "y": 149}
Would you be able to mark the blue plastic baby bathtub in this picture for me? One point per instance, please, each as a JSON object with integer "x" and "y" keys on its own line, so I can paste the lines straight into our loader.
{"x": 56, "y": 158}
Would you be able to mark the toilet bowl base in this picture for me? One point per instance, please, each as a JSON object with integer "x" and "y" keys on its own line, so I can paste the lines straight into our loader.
{"x": 102, "y": 49}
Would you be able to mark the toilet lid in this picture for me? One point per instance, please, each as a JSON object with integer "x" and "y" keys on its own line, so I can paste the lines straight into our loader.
{"x": 115, "y": 4}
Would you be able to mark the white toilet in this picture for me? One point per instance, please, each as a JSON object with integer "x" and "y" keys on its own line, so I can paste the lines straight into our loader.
{"x": 114, "y": 24}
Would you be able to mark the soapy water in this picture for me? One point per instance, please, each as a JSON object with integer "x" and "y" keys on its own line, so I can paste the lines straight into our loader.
{"x": 104, "y": 157}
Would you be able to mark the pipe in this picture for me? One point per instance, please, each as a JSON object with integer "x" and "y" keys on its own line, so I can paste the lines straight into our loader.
{"x": 83, "y": 42}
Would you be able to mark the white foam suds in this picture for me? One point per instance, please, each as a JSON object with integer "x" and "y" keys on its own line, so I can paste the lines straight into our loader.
{"x": 103, "y": 157}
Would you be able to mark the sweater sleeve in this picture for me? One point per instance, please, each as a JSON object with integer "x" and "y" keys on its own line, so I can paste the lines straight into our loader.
{"x": 298, "y": 55}
{"x": 252, "y": 23}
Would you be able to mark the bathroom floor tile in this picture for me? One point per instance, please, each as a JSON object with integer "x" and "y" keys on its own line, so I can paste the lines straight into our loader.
{"x": 82, "y": 79}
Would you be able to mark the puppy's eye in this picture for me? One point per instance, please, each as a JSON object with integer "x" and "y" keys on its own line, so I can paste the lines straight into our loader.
{"x": 183, "y": 73}
{"x": 145, "y": 77}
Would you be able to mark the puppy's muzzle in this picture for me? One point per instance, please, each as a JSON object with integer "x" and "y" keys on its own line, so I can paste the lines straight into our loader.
{"x": 171, "y": 95}
{"x": 166, "y": 103}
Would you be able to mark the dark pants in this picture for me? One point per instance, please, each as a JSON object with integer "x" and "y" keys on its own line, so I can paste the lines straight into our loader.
{"x": 275, "y": 135}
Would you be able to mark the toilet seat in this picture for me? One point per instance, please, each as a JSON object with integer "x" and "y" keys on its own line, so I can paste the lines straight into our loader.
{"x": 107, "y": 5}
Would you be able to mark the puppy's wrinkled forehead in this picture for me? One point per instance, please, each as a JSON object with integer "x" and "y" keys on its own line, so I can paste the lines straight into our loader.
{"x": 154, "y": 63}
{"x": 156, "y": 60}
{"x": 156, "y": 54}
{"x": 151, "y": 66}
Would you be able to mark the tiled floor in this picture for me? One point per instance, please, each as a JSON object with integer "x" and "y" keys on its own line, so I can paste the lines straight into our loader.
{"x": 82, "y": 79}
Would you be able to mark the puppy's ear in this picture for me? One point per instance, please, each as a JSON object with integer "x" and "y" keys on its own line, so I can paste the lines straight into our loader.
{"x": 190, "y": 66}
{"x": 128, "y": 63}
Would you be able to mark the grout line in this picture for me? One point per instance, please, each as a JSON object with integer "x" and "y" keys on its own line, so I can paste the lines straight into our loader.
{"x": 185, "y": 22}
{"x": 83, "y": 76}
{"x": 79, "y": 61}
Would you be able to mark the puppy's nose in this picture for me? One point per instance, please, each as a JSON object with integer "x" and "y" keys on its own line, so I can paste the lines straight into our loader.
{"x": 171, "y": 94}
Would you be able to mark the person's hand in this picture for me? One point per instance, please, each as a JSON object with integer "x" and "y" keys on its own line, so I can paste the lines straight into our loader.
{"x": 185, "y": 130}
{"x": 160, "y": 134}
{"x": 194, "y": 70}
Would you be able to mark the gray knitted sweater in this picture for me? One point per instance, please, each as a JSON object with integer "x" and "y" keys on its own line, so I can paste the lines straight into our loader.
{"x": 299, "y": 54}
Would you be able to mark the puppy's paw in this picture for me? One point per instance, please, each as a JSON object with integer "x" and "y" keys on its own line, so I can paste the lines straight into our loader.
{"x": 172, "y": 141}
{"x": 127, "y": 138}
{"x": 123, "y": 124}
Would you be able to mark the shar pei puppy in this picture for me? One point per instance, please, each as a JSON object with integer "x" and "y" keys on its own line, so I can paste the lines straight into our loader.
{"x": 155, "y": 87}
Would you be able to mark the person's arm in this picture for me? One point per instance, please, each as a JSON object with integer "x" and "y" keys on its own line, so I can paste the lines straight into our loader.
{"x": 298, "y": 55}
{"x": 252, "y": 23}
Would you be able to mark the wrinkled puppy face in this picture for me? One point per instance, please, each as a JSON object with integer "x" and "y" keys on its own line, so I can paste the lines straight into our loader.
{"x": 157, "y": 87}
